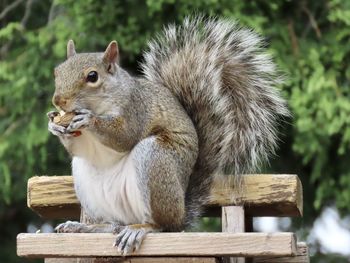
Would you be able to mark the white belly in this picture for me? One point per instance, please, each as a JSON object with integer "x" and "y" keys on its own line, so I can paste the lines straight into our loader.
{"x": 106, "y": 182}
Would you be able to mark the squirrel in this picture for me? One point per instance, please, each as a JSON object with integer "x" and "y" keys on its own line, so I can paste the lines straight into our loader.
{"x": 149, "y": 147}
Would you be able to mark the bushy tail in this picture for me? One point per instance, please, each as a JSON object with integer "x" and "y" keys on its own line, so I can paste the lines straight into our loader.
{"x": 226, "y": 82}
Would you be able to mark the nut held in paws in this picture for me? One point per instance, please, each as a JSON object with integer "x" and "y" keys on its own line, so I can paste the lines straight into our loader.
{"x": 64, "y": 118}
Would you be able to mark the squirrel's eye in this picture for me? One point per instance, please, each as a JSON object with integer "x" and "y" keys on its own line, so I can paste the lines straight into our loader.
{"x": 92, "y": 76}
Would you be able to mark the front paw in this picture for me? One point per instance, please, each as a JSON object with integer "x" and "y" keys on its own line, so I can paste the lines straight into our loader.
{"x": 58, "y": 130}
{"x": 54, "y": 128}
{"x": 71, "y": 227}
{"x": 82, "y": 119}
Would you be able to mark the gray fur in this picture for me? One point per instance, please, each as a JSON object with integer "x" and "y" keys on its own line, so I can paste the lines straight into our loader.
{"x": 226, "y": 82}
{"x": 207, "y": 105}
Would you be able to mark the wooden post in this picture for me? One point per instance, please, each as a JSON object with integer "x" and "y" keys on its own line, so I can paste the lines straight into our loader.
{"x": 233, "y": 221}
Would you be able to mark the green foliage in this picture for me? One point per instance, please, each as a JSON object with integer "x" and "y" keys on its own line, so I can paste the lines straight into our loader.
{"x": 309, "y": 39}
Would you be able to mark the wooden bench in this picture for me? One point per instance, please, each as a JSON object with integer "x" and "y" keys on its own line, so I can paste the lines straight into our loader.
{"x": 53, "y": 197}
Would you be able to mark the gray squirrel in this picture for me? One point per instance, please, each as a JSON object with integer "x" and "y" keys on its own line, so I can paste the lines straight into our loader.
{"x": 149, "y": 148}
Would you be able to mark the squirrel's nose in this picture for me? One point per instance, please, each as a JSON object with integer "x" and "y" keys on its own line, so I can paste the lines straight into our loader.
{"x": 59, "y": 101}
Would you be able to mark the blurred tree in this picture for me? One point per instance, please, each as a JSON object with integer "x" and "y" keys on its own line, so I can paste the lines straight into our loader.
{"x": 309, "y": 39}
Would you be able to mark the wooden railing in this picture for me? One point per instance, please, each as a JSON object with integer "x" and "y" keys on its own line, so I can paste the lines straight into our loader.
{"x": 53, "y": 197}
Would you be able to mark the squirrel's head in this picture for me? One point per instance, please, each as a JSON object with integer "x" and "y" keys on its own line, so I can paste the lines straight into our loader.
{"x": 84, "y": 77}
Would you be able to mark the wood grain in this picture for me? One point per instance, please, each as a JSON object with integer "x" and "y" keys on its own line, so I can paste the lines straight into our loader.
{"x": 302, "y": 256}
{"x": 233, "y": 221}
{"x": 141, "y": 260}
{"x": 159, "y": 244}
{"x": 53, "y": 197}
{"x": 261, "y": 195}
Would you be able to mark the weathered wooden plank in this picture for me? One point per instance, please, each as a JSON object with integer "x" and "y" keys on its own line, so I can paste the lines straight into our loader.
{"x": 60, "y": 260}
{"x": 159, "y": 244}
{"x": 261, "y": 195}
{"x": 53, "y": 197}
{"x": 302, "y": 256}
{"x": 233, "y": 221}
{"x": 141, "y": 260}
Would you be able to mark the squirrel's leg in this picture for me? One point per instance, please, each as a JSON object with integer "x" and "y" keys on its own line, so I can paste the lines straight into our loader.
{"x": 163, "y": 169}
{"x": 77, "y": 227}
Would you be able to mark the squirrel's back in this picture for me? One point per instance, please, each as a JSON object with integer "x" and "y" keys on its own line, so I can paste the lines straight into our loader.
{"x": 226, "y": 82}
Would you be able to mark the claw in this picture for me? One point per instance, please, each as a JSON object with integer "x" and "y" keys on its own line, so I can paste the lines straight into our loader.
{"x": 81, "y": 120}
{"x": 120, "y": 236}
{"x": 123, "y": 242}
{"x": 131, "y": 237}
{"x": 138, "y": 240}
{"x": 130, "y": 244}
{"x": 58, "y": 130}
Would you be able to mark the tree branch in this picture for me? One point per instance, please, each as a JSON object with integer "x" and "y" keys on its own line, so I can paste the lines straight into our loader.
{"x": 9, "y": 8}
{"x": 312, "y": 20}
{"x": 293, "y": 37}
{"x": 27, "y": 13}
{"x": 51, "y": 12}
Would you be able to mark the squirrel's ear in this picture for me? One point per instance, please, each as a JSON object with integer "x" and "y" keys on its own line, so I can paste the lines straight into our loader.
{"x": 111, "y": 54}
{"x": 70, "y": 49}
